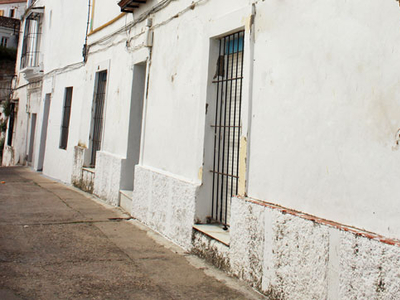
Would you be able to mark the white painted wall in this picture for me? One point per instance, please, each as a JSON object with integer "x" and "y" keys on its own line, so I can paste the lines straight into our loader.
{"x": 326, "y": 110}
{"x": 62, "y": 38}
{"x": 58, "y": 162}
{"x": 19, "y": 8}
{"x": 103, "y": 12}
{"x": 178, "y": 85}
{"x": 61, "y": 54}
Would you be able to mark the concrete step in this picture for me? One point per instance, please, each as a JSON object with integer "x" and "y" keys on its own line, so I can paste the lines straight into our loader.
{"x": 125, "y": 200}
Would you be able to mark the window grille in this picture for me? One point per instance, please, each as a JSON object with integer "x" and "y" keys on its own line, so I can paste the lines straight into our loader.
{"x": 66, "y": 118}
{"x": 31, "y": 41}
{"x": 227, "y": 125}
{"x": 4, "y": 41}
{"x": 98, "y": 115}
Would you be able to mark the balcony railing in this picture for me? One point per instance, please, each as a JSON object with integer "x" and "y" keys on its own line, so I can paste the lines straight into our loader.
{"x": 30, "y": 54}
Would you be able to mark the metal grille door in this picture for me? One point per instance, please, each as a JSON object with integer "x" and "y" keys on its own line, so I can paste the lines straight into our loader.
{"x": 98, "y": 115}
{"x": 227, "y": 125}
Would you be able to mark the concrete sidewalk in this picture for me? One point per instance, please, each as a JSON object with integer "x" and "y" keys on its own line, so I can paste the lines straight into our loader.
{"x": 59, "y": 243}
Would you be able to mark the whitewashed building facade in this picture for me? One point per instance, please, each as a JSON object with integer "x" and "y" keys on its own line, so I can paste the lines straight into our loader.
{"x": 261, "y": 135}
{"x": 12, "y": 8}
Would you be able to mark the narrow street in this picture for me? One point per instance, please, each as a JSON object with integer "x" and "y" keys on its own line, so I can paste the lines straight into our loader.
{"x": 59, "y": 243}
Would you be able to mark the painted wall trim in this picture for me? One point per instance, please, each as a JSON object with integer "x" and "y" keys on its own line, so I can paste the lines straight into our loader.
{"x": 107, "y": 24}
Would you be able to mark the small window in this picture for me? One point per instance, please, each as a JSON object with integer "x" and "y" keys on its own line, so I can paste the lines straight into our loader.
{"x": 12, "y": 13}
{"x": 4, "y": 41}
{"x": 66, "y": 117}
{"x": 1, "y": 12}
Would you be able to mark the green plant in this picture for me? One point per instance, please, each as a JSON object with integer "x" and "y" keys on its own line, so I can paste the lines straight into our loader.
{"x": 1, "y": 148}
{"x": 7, "y": 108}
{"x": 8, "y": 53}
{"x": 3, "y": 126}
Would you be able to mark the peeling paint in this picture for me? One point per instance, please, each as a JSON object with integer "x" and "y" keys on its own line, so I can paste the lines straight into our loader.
{"x": 200, "y": 174}
{"x": 165, "y": 204}
{"x": 242, "y": 166}
{"x": 108, "y": 177}
{"x": 82, "y": 145}
{"x": 248, "y": 22}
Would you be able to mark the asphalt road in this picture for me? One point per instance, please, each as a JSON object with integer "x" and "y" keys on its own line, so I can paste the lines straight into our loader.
{"x": 59, "y": 243}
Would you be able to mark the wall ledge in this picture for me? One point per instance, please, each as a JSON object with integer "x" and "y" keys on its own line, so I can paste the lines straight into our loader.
{"x": 342, "y": 227}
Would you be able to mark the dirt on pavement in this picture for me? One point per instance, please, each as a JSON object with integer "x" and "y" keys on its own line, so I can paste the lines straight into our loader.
{"x": 59, "y": 243}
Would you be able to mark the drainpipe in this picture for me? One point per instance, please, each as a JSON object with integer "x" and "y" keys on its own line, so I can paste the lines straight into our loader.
{"x": 85, "y": 48}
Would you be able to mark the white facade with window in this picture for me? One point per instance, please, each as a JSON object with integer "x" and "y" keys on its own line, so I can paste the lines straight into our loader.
{"x": 315, "y": 86}
{"x": 12, "y": 8}
{"x": 9, "y": 32}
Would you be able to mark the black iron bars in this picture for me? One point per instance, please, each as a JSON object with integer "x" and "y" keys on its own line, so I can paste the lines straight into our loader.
{"x": 98, "y": 115}
{"x": 227, "y": 125}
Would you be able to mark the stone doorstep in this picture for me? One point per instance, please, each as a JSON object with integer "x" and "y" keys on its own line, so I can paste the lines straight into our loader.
{"x": 90, "y": 170}
{"x": 214, "y": 231}
{"x": 125, "y": 200}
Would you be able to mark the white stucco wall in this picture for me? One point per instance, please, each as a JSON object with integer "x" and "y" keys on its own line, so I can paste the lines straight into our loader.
{"x": 61, "y": 54}
{"x": 103, "y": 12}
{"x": 325, "y": 110}
{"x": 58, "y": 163}
{"x": 178, "y": 83}
{"x": 107, "y": 181}
{"x": 288, "y": 256}
{"x": 62, "y": 38}
{"x": 117, "y": 99}
{"x": 368, "y": 269}
{"x": 165, "y": 203}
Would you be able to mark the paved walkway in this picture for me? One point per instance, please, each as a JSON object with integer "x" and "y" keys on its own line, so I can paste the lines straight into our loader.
{"x": 59, "y": 243}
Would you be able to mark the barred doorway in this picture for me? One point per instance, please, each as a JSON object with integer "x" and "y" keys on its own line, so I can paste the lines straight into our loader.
{"x": 227, "y": 125}
{"x": 97, "y": 116}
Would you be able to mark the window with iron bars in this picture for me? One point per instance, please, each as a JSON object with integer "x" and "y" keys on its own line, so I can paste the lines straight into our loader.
{"x": 97, "y": 117}
{"x": 227, "y": 125}
{"x": 66, "y": 117}
{"x": 31, "y": 42}
{"x": 4, "y": 41}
